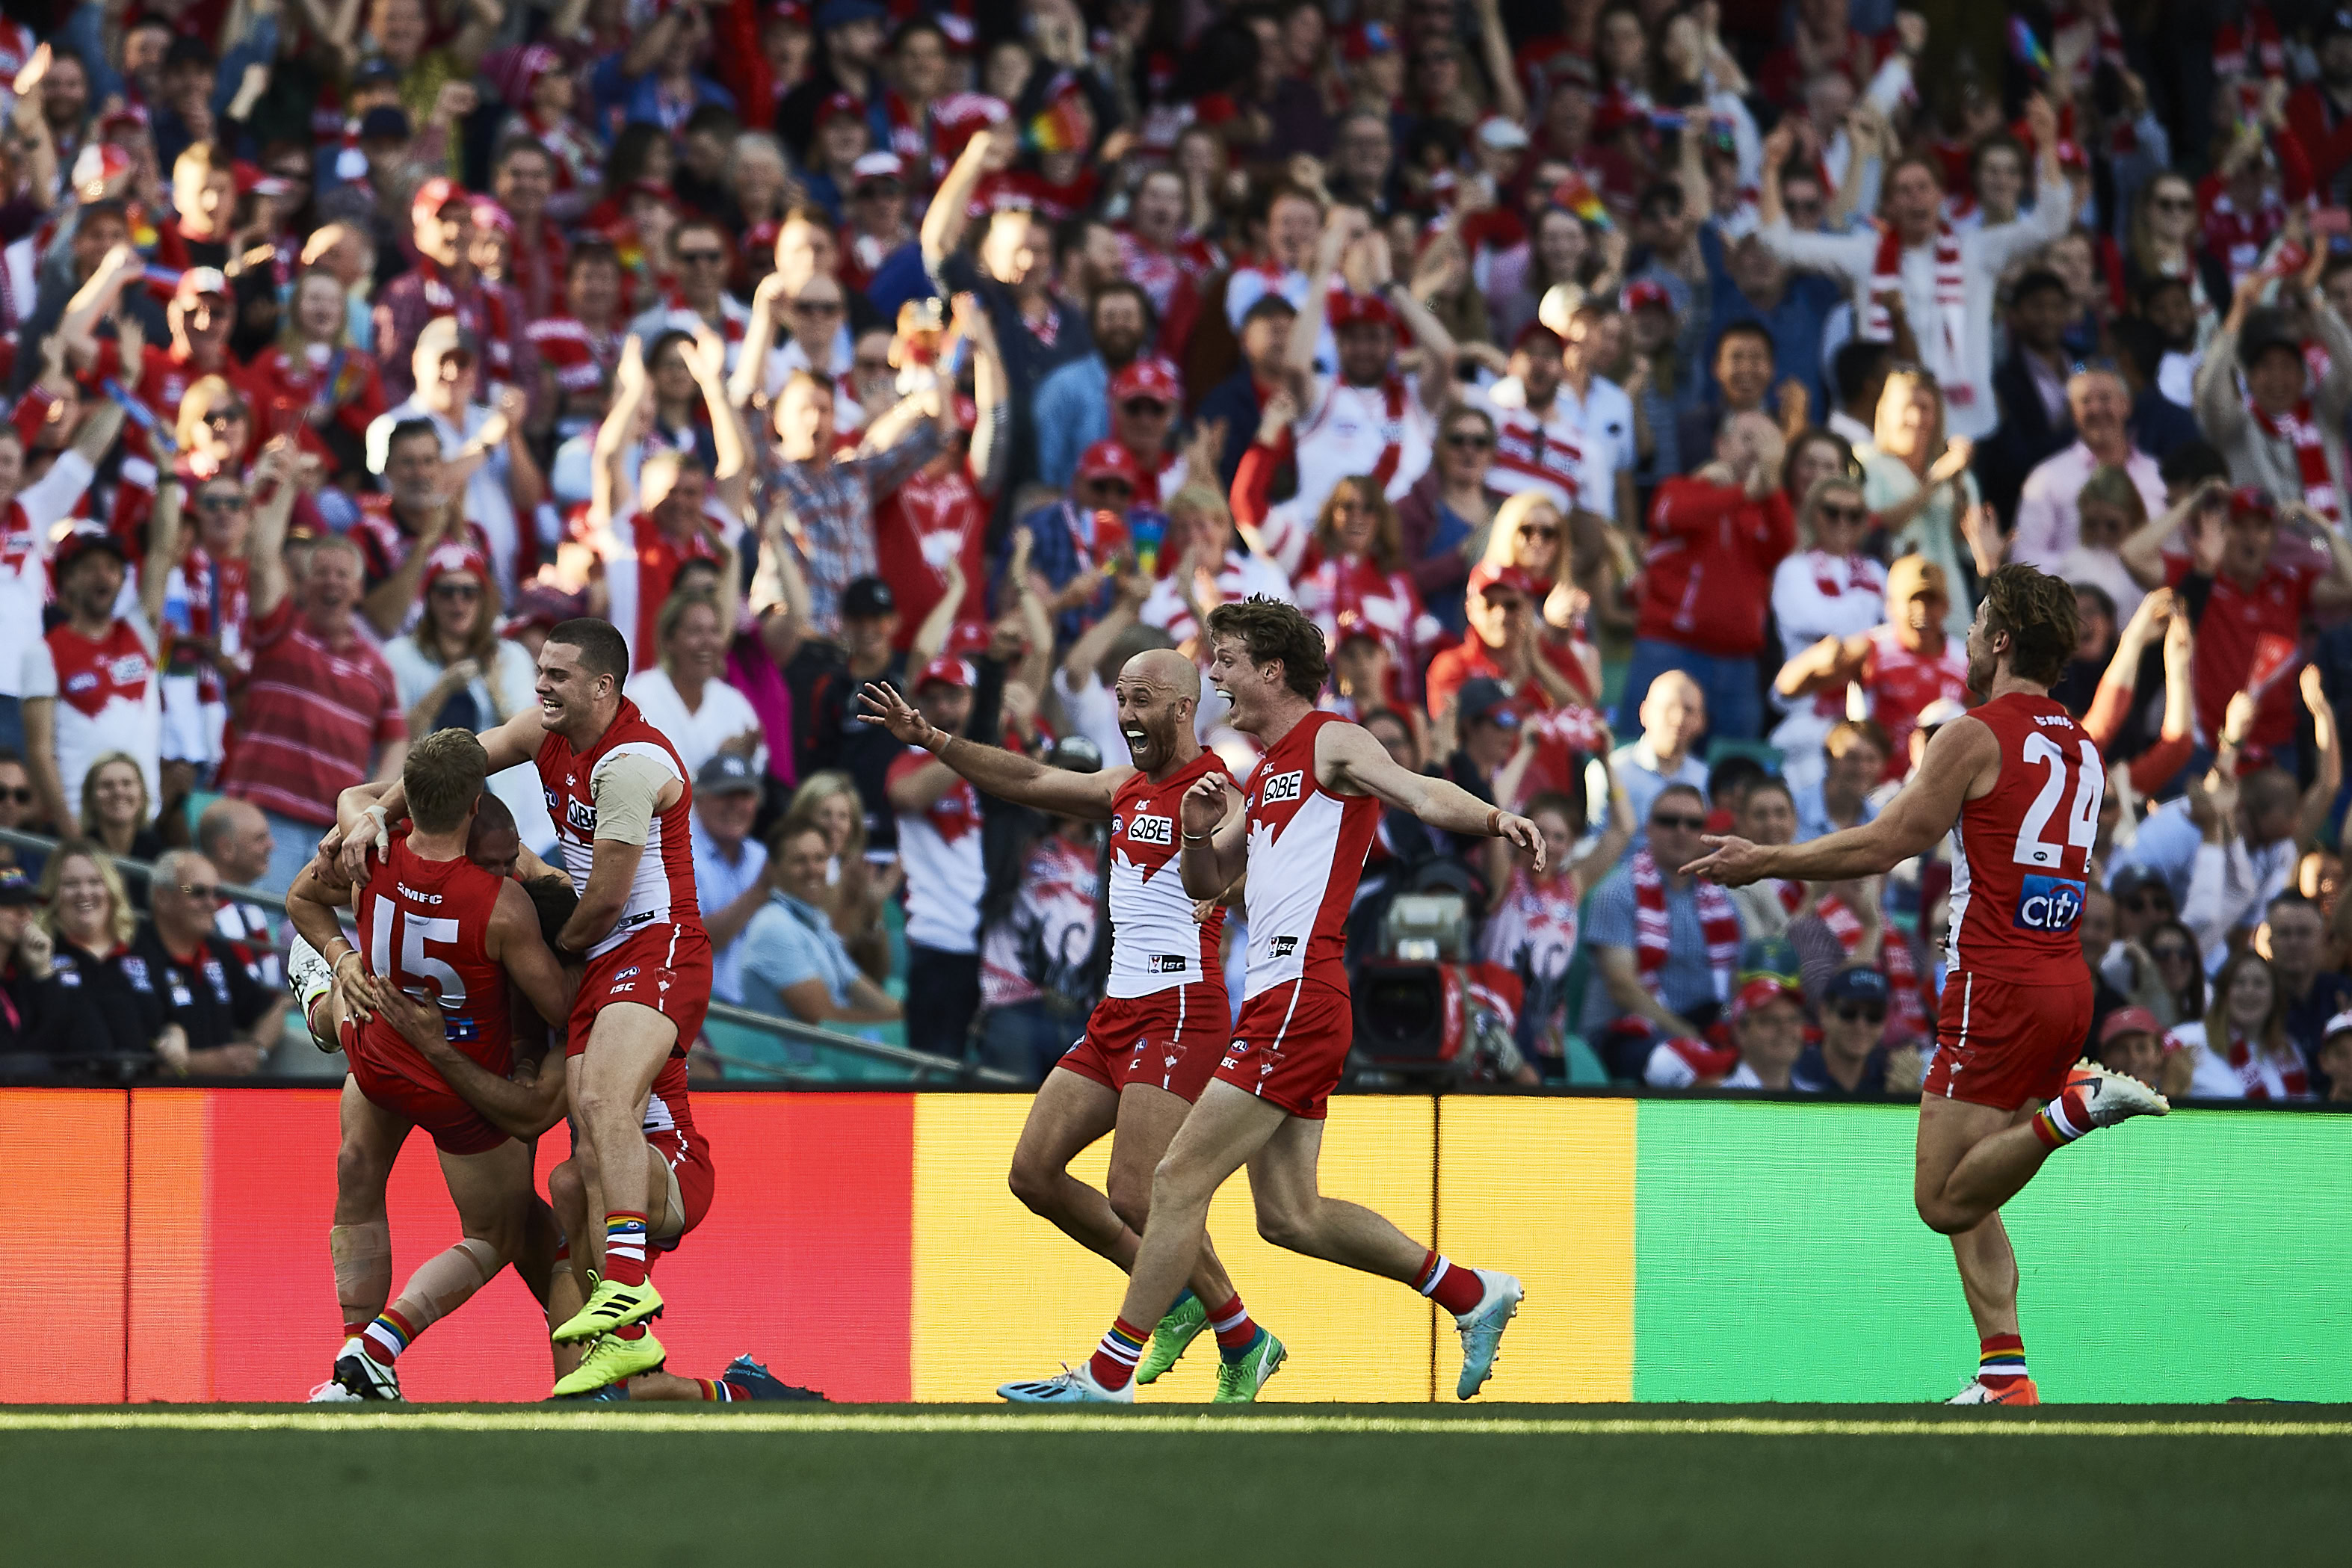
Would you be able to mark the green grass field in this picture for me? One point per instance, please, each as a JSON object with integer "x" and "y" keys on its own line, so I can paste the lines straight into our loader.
{"x": 439, "y": 1486}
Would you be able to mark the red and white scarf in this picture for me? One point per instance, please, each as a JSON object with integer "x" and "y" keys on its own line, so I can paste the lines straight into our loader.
{"x": 2249, "y": 1069}
{"x": 2231, "y": 55}
{"x": 1910, "y": 1012}
{"x": 1951, "y": 299}
{"x": 480, "y": 310}
{"x": 1718, "y": 924}
{"x": 1524, "y": 446}
{"x": 2300, "y": 428}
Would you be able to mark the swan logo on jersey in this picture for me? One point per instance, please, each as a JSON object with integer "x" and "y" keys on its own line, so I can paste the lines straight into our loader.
{"x": 2048, "y": 904}
{"x": 1284, "y": 786}
{"x": 1148, "y": 829}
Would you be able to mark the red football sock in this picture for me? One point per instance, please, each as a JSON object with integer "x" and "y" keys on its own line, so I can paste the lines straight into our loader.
{"x": 2000, "y": 1361}
{"x": 1232, "y": 1325}
{"x": 624, "y": 1248}
{"x": 1455, "y": 1288}
{"x": 1113, "y": 1362}
{"x": 2062, "y": 1120}
{"x": 716, "y": 1392}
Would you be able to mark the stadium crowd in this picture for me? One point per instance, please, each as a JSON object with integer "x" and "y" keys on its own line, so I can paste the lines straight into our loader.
{"x": 1636, "y": 395}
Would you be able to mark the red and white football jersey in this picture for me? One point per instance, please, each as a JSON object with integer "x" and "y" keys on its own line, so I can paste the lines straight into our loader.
{"x": 1306, "y": 848}
{"x": 1155, "y": 944}
{"x": 108, "y": 699}
{"x": 940, "y": 852}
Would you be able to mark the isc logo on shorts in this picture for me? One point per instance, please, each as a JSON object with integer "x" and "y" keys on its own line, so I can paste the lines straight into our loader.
{"x": 1284, "y": 786}
{"x": 1151, "y": 830}
{"x": 2048, "y": 904}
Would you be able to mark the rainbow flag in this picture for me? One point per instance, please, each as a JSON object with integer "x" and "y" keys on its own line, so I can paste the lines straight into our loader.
{"x": 2028, "y": 48}
{"x": 1576, "y": 195}
{"x": 1063, "y": 126}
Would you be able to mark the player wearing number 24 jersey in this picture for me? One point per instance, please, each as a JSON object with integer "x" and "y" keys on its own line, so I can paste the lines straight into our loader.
{"x": 2017, "y": 784}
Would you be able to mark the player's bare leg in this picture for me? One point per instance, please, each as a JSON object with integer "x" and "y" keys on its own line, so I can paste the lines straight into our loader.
{"x": 492, "y": 1192}
{"x": 1149, "y": 1116}
{"x": 360, "y": 1241}
{"x": 626, "y": 1046}
{"x": 1070, "y": 1111}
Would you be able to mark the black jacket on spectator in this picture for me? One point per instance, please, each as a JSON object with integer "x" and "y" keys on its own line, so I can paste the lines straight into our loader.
{"x": 2027, "y": 436}
{"x": 208, "y": 994}
{"x": 1235, "y": 400}
{"x": 103, "y": 1008}
{"x": 825, "y": 710}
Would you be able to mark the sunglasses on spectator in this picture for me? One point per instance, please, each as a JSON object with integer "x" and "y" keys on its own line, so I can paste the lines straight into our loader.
{"x": 2175, "y": 203}
{"x": 465, "y": 593}
{"x": 2161, "y": 954}
{"x": 1111, "y": 487}
{"x": 874, "y": 366}
{"x": 19, "y": 797}
{"x": 233, "y": 414}
{"x": 1850, "y": 1012}
{"x": 1841, "y": 513}
{"x": 202, "y": 892}
{"x": 1538, "y": 531}
{"x": 1468, "y": 441}
{"x": 705, "y": 258}
{"x": 1142, "y": 407}
{"x": 1686, "y": 824}
{"x": 1804, "y": 205}
{"x": 817, "y": 307}
{"x": 220, "y": 500}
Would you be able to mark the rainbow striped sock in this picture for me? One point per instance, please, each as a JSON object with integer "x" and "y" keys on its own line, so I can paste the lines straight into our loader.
{"x": 387, "y": 1336}
{"x": 1113, "y": 1362}
{"x": 2001, "y": 1361}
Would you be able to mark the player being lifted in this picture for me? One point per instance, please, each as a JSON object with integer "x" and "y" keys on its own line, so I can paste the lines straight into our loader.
{"x": 440, "y": 929}
{"x": 1162, "y": 1025}
{"x": 1311, "y": 810}
{"x": 620, "y": 799}
{"x": 2018, "y": 785}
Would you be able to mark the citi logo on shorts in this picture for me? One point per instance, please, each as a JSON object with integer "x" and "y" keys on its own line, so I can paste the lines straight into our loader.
{"x": 2048, "y": 904}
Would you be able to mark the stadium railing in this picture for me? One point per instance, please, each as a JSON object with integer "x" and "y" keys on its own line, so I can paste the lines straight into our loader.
{"x": 754, "y": 1048}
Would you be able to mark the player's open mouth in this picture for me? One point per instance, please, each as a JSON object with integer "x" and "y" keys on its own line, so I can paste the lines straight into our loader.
{"x": 1136, "y": 741}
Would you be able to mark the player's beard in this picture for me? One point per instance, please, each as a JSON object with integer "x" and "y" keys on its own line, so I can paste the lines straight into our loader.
{"x": 1980, "y": 677}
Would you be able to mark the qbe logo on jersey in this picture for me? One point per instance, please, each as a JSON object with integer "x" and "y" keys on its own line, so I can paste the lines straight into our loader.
{"x": 2050, "y": 904}
{"x": 1149, "y": 829}
{"x": 1284, "y": 786}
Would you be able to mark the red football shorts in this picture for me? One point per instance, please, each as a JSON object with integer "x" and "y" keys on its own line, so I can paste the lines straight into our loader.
{"x": 1291, "y": 1047}
{"x": 665, "y": 967}
{"x": 687, "y": 1154}
{"x": 412, "y": 1091}
{"x": 1170, "y": 1039}
{"x": 2001, "y": 1044}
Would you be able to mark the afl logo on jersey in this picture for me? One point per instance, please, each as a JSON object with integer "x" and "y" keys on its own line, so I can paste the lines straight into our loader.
{"x": 1118, "y": 825}
{"x": 1284, "y": 786}
{"x": 1148, "y": 829}
{"x": 2048, "y": 904}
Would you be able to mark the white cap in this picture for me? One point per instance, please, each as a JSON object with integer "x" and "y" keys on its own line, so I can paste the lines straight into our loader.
{"x": 2337, "y": 1025}
{"x": 1501, "y": 135}
{"x": 878, "y": 166}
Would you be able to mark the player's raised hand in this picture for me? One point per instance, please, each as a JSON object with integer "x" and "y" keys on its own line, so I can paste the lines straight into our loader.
{"x": 1734, "y": 861}
{"x": 1518, "y": 830}
{"x": 1205, "y": 803}
{"x": 896, "y": 714}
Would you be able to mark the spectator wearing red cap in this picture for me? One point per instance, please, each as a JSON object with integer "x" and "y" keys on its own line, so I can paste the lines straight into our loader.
{"x": 2252, "y": 627}
{"x": 1716, "y": 539}
{"x": 840, "y": 138}
{"x": 877, "y": 231}
{"x": 1078, "y": 543}
{"x": 854, "y": 36}
{"x": 1036, "y": 332}
{"x": 1539, "y": 442}
{"x": 541, "y": 91}
{"x": 1504, "y": 646}
{"x": 1369, "y": 419}
{"x": 445, "y": 283}
{"x": 938, "y": 816}
{"x": 205, "y": 191}
{"x": 1768, "y": 1025}
{"x": 2132, "y": 1042}
{"x": 200, "y": 317}
{"x": 1074, "y": 404}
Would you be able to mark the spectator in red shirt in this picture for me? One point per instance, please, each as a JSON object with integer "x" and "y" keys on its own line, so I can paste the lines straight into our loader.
{"x": 200, "y": 320}
{"x": 1904, "y": 663}
{"x": 321, "y": 712}
{"x": 2250, "y": 636}
{"x": 1716, "y": 538}
{"x": 1504, "y": 646}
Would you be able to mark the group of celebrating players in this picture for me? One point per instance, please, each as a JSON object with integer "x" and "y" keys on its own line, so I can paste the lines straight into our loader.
{"x": 471, "y": 951}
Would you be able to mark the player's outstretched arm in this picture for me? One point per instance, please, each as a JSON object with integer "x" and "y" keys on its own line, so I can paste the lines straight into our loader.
{"x": 523, "y": 1109}
{"x": 1346, "y": 759}
{"x": 1960, "y": 762}
{"x": 516, "y": 943}
{"x": 1005, "y": 774}
{"x": 365, "y": 812}
{"x": 1215, "y": 827}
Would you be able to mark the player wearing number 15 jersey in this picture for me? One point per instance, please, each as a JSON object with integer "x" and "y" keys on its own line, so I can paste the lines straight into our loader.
{"x": 2017, "y": 783}
{"x": 436, "y": 928}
